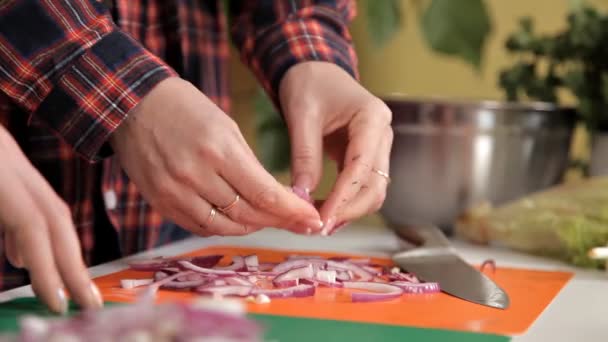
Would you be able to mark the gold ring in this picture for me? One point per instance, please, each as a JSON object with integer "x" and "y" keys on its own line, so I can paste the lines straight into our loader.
{"x": 211, "y": 216}
{"x": 383, "y": 174}
{"x": 231, "y": 205}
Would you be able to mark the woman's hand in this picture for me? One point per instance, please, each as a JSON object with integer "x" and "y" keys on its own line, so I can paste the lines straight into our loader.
{"x": 39, "y": 234}
{"x": 187, "y": 157}
{"x": 326, "y": 109}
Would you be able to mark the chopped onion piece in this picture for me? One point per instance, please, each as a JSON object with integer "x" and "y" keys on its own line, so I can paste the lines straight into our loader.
{"x": 158, "y": 264}
{"x": 262, "y": 299}
{"x": 133, "y": 283}
{"x": 290, "y": 278}
{"x": 189, "y": 266}
{"x": 294, "y": 291}
{"x": 379, "y": 291}
{"x": 361, "y": 274}
{"x": 295, "y": 263}
{"x": 238, "y": 264}
{"x": 491, "y": 264}
{"x": 227, "y": 290}
{"x": 252, "y": 263}
{"x": 409, "y": 287}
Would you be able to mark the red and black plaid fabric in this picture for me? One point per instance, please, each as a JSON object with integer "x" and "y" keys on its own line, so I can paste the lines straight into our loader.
{"x": 70, "y": 72}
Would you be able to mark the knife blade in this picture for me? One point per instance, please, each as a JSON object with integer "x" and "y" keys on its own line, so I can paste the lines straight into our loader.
{"x": 434, "y": 260}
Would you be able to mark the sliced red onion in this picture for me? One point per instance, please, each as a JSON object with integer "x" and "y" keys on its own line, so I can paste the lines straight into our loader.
{"x": 326, "y": 276}
{"x": 408, "y": 277}
{"x": 252, "y": 263}
{"x": 290, "y": 278}
{"x": 300, "y": 257}
{"x": 238, "y": 281}
{"x": 227, "y": 290}
{"x": 219, "y": 282}
{"x": 266, "y": 266}
{"x": 238, "y": 264}
{"x": 189, "y": 266}
{"x": 360, "y": 274}
{"x": 379, "y": 291}
{"x": 302, "y": 290}
{"x": 152, "y": 289}
{"x": 316, "y": 282}
{"x": 372, "y": 270}
{"x": 491, "y": 264}
{"x": 183, "y": 284}
{"x": 160, "y": 275}
{"x": 133, "y": 283}
{"x": 158, "y": 264}
{"x": 409, "y": 287}
{"x": 358, "y": 261}
{"x": 295, "y": 263}
{"x": 344, "y": 275}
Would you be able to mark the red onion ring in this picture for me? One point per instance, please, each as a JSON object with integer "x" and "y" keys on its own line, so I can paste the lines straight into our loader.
{"x": 302, "y": 290}
{"x": 226, "y": 290}
{"x": 295, "y": 263}
{"x": 290, "y": 278}
{"x": 157, "y": 264}
{"x": 238, "y": 264}
{"x": 360, "y": 273}
{"x": 409, "y": 287}
{"x": 489, "y": 263}
{"x": 189, "y": 266}
{"x": 380, "y": 291}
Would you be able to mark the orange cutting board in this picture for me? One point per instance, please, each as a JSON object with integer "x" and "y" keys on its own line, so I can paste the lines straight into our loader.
{"x": 530, "y": 291}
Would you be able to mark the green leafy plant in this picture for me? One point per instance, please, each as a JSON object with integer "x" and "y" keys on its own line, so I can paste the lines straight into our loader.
{"x": 454, "y": 28}
{"x": 574, "y": 59}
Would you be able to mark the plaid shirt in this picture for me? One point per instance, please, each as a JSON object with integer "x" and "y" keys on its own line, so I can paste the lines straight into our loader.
{"x": 70, "y": 72}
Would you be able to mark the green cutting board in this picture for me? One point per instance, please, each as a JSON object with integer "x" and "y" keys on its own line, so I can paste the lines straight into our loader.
{"x": 291, "y": 329}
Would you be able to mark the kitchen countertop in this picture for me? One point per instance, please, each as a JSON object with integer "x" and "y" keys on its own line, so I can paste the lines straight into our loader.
{"x": 579, "y": 311}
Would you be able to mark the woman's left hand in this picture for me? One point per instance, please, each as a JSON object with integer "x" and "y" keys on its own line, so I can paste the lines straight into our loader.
{"x": 326, "y": 109}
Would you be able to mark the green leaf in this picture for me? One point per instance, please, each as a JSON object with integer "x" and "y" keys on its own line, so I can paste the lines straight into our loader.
{"x": 272, "y": 138}
{"x": 459, "y": 28}
{"x": 384, "y": 19}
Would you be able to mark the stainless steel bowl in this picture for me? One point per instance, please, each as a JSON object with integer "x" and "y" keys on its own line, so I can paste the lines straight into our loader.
{"x": 450, "y": 155}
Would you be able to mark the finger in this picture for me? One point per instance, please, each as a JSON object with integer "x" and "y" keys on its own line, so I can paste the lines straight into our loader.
{"x": 65, "y": 245}
{"x": 306, "y": 153}
{"x": 34, "y": 240}
{"x": 12, "y": 252}
{"x": 219, "y": 193}
{"x": 365, "y": 136}
{"x": 257, "y": 186}
{"x": 198, "y": 218}
{"x": 31, "y": 235}
{"x": 372, "y": 195}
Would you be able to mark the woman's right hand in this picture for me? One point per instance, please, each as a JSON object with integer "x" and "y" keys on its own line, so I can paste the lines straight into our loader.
{"x": 187, "y": 157}
{"x": 39, "y": 234}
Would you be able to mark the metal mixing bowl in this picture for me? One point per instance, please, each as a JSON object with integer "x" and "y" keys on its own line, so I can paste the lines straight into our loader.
{"x": 448, "y": 156}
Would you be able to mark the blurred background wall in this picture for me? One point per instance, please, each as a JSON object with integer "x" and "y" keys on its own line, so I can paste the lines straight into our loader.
{"x": 406, "y": 65}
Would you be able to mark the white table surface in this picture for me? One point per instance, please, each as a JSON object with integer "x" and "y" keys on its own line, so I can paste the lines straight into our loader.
{"x": 580, "y": 311}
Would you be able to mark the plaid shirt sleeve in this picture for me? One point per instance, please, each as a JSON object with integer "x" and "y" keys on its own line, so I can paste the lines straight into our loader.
{"x": 67, "y": 64}
{"x": 273, "y": 35}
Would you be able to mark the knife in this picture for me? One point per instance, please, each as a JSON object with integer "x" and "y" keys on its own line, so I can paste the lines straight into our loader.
{"x": 434, "y": 260}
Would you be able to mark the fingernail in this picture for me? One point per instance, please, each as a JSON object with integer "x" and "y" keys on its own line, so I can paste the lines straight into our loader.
{"x": 98, "y": 300}
{"x": 329, "y": 224}
{"x": 303, "y": 193}
{"x": 313, "y": 224}
{"x": 304, "y": 182}
{"x": 63, "y": 301}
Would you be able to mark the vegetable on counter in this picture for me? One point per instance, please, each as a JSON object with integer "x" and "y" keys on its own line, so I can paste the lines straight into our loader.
{"x": 297, "y": 276}
{"x": 564, "y": 222}
{"x": 200, "y": 321}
